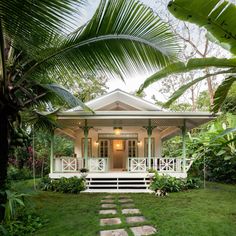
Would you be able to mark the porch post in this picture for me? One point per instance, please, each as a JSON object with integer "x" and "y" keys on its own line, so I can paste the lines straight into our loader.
{"x": 184, "y": 146}
{"x": 51, "y": 151}
{"x": 149, "y": 129}
{"x": 86, "y": 131}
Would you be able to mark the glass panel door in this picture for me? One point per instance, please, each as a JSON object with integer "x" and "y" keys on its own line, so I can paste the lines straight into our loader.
{"x": 132, "y": 148}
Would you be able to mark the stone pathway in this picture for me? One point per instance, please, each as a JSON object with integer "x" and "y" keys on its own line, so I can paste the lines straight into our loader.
{"x": 123, "y": 211}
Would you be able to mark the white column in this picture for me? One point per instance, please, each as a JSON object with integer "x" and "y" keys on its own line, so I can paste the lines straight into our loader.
{"x": 51, "y": 152}
{"x": 184, "y": 146}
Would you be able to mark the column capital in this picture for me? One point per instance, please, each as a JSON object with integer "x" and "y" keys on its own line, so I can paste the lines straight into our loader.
{"x": 86, "y": 128}
{"x": 149, "y": 127}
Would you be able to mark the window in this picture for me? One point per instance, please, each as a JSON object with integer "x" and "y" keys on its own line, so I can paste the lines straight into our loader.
{"x": 103, "y": 150}
{"x": 132, "y": 148}
{"x": 152, "y": 147}
{"x": 89, "y": 147}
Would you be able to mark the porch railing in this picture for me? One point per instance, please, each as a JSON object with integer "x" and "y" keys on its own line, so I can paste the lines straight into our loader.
{"x": 161, "y": 164}
{"x": 98, "y": 164}
{"x": 134, "y": 164}
{"x": 71, "y": 164}
{"x": 68, "y": 164}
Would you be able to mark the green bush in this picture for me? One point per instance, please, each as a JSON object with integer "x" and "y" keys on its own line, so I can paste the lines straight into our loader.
{"x": 19, "y": 174}
{"x": 24, "y": 224}
{"x": 172, "y": 184}
{"x": 63, "y": 185}
{"x": 20, "y": 218}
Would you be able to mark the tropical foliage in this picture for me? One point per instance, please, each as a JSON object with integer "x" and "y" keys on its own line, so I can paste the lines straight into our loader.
{"x": 216, "y": 17}
{"x": 40, "y": 42}
{"x": 19, "y": 218}
{"x": 212, "y": 148}
{"x": 172, "y": 184}
{"x": 63, "y": 185}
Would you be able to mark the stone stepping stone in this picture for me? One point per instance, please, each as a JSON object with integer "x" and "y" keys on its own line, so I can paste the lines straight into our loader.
{"x": 123, "y": 196}
{"x": 135, "y": 219}
{"x": 109, "y": 196}
{"x": 108, "y": 205}
{"x": 107, "y": 201}
{"x": 143, "y": 230}
{"x": 106, "y": 212}
{"x": 127, "y": 205}
{"x": 115, "y": 232}
{"x": 131, "y": 211}
{"x": 110, "y": 221}
{"x": 125, "y": 200}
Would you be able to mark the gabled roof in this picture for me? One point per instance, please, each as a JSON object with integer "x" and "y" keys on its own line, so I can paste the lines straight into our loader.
{"x": 123, "y": 109}
{"x": 118, "y": 100}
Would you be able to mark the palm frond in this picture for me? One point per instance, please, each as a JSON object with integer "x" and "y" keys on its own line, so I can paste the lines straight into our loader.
{"x": 66, "y": 96}
{"x": 222, "y": 92}
{"x": 24, "y": 20}
{"x": 225, "y": 132}
{"x": 46, "y": 121}
{"x": 183, "y": 89}
{"x": 123, "y": 36}
{"x": 192, "y": 64}
{"x": 217, "y": 16}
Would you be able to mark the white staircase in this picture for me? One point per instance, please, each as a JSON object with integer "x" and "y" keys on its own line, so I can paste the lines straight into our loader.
{"x": 117, "y": 182}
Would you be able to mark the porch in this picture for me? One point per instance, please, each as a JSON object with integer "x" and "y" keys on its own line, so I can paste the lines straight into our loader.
{"x": 120, "y": 142}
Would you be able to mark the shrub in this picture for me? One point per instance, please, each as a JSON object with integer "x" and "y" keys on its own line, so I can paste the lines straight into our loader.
{"x": 24, "y": 224}
{"x": 19, "y": 218}
{"x": 63, "y": 185}
{"x": 19, "y": 174}
{"x": 172, "y": 184}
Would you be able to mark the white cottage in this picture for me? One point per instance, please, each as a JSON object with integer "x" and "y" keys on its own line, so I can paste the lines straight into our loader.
{"x": 121, "y": 141}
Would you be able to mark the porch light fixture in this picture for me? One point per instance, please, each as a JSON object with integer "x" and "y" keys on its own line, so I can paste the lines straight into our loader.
{"x": 117, "y": 130}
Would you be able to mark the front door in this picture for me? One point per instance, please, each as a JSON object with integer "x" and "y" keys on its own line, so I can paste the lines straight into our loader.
{"x": 118, "y": 154}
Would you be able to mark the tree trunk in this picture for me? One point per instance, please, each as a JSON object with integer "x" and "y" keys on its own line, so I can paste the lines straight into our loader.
{"x": 210, "y": 90}
{"x": 4, "y": 149}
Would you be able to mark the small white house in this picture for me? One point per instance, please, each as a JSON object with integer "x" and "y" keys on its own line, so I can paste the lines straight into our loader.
{"x": 121, "y": 140}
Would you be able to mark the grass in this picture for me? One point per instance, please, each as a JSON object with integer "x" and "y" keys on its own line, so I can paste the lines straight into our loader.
{"x": 203, "y": 212}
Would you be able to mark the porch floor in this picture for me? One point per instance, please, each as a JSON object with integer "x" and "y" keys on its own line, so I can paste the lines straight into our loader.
{"x": 117, "y": 191}
{"x": 115, "y": 174}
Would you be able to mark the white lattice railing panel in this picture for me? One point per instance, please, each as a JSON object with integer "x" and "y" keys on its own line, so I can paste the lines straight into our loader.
{"x": 167, "y": 164}
{"x": 188, "y": 164}
{"x": 69, "y": 164}
{"x": 97, "y": 164}
{"x": 137, "y": 164}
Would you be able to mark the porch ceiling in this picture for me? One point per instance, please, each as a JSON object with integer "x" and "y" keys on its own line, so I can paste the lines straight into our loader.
{"x": 167, "y": 122}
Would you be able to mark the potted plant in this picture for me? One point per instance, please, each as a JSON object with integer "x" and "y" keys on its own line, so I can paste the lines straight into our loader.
{"x": 84, "y": 172}
{"x": 151, "y": 172}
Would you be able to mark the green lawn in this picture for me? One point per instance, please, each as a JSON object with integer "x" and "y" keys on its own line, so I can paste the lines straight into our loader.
{"x": 210, "y": 211}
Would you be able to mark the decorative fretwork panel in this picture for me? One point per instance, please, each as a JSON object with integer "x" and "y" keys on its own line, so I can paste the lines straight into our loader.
{"x": 97, "y": 164}
{"x": 137, "y": 164}
{"x": 167, "y": 164}
{"x": 69, "y": 165}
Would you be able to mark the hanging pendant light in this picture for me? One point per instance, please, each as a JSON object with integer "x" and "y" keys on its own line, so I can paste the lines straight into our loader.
{"x": 117, "y": 130}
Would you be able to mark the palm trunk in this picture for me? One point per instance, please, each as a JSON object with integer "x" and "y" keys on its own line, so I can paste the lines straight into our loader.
{"x": 4, "y": 149}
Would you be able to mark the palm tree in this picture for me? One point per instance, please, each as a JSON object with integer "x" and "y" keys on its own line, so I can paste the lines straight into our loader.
{"x": 218, "y": 18}
{"x": 39, "y": 45}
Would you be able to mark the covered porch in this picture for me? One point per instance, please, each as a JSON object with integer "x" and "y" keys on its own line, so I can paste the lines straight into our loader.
{"x": 135, "y": 149}
{"x": 123, "y": 136}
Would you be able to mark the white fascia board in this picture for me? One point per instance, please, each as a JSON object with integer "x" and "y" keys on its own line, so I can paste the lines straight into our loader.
{"x": 136, "y": 115}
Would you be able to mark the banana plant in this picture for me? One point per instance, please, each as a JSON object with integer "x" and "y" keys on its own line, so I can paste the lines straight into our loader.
{"x": 218, "y": 18}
